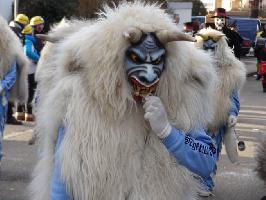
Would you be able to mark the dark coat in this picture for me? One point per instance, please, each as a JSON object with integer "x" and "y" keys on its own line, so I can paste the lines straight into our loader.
{"x": 234, "y": 41}
{"x": 39, "y": 44}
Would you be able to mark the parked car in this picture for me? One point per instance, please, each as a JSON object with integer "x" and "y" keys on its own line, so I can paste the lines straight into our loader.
{"x": 246, "y": 45}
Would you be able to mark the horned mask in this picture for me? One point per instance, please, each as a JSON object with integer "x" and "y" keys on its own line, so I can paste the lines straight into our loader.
{"x": 145, "y": 59}
{"x": 210, "y": 42}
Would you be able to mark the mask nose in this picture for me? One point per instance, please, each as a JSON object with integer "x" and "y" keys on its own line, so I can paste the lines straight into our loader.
{"x": 147, "y": 78}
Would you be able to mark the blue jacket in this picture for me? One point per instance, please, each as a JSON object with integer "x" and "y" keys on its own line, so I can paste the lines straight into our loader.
{"x": 9, "y": 79}
{"x": 29, "y": 49}
{"x": 198, "y": 151}
{"x": 58, "y": 188}
{"x": 6, "y": 84}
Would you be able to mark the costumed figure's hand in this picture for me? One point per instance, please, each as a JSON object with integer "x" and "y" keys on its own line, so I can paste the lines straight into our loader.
{"x": 155, "y": 113}
{"x": 231, "y": 121}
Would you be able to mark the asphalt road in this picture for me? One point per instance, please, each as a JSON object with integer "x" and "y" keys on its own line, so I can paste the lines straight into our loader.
{"x": 232, "y": 182}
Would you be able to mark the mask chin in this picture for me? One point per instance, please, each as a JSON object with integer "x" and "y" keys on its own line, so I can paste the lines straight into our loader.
{"x": 141, "y": 90}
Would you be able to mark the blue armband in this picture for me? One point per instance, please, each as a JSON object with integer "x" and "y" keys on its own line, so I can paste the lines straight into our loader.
{"x": 194, "y": 150}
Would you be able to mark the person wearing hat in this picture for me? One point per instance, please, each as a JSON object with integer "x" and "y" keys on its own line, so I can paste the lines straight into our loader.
{"x": 234, "y": 39}
{"x": 32, "y": 54}
{"x": 259, "y": 51}
{"x": 37, "y": 24}
{"x": 16, "y": 26}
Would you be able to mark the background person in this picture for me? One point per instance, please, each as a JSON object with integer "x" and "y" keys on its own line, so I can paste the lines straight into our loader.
{"x": 17, "y": 26}
{"x": 260, "y": 48}
{"x": 234, "y": 40}
{"x": 37, "y": 24}
{"x": 32, "y": 54}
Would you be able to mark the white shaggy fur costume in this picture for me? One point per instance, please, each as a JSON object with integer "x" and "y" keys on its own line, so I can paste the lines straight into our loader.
{"x": 231, "y": 75}
{"x": 108, "y": 151}
{"x": 46, "y": 66}
{"x": 10, "y": 51}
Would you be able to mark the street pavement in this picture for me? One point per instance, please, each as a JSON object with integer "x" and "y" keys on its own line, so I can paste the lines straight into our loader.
{"x": 232, "y": 182}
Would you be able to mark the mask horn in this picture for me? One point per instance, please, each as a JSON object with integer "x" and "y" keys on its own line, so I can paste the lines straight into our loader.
{"x": 48, "y": 38}
{"x": 218, "y": 37}
{"x": 166, "y": 36}
{"x": 204, "y": 37}
{"x": 133, "y": 34}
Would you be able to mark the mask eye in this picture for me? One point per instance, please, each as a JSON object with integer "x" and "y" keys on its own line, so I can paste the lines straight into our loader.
{"x": 134, "y": 57}
{"x": 157, "y": 61}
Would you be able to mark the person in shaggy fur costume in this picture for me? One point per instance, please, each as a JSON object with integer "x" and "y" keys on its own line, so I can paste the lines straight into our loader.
{"x": 13, "y": 73}
{"x": 231, "y": 77}
{"x": 116, "y": 86}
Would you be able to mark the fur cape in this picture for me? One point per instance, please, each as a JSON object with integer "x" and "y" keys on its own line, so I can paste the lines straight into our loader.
{"x": 109, "y": 151}
{"x": 11, "y": 51}
{"x": 261, "y": 160}
{"x": 231, "y": 75}
{"x": 47, "y": 64}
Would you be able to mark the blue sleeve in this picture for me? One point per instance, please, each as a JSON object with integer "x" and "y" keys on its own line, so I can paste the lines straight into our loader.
{"x": 10, "y": 78}
{"x": 235, "y": 104}
{"x": 29, "y": 51}
{"x": 58, "y": 188}
{"x": 194, "y": 150}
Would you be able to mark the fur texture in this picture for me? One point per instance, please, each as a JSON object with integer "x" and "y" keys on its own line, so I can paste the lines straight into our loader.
{"x": 11, "y": 51}
{"x": 231, "y": 75}
{"x": 46, "y": 66}
{"x": 261, "y": 160}
{"x": 109, "y": 151}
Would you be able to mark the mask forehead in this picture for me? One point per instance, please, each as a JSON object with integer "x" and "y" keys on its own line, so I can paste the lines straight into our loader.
{"x": 149, "y": 45}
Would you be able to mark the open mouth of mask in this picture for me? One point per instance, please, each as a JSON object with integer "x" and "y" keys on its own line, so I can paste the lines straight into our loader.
{"x": 141, "y": 90}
